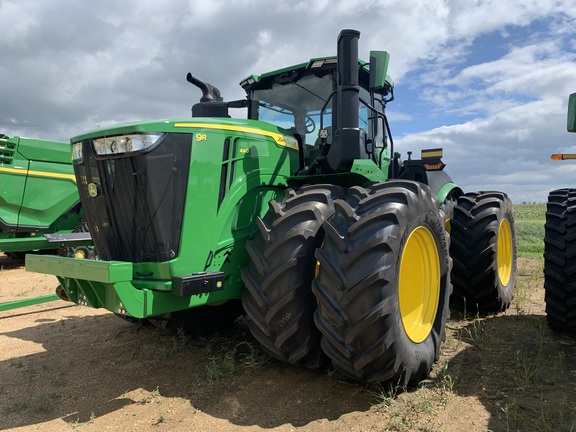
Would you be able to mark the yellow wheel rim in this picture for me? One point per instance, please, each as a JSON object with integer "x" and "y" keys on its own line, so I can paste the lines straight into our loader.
{"x": 419, "y": 284}
{"x": 80, "y": 254}
{"x": 505, "y": 252}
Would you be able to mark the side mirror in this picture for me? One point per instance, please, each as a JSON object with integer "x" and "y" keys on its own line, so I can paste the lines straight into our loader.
{"x": 378, "y": 69}
{"x": 571, "y": 122}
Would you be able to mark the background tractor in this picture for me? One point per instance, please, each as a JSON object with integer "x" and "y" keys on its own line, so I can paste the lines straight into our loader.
{"x": 38, "y": 195}
{"x": 560, "y": 247}
{"x": 301, "y": 216}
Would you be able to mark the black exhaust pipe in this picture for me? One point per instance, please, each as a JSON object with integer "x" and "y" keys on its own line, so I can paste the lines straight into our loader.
{"x": 346, "y": 145}
{"x": 348, "y": 90}
{"x": 211, "y": 103}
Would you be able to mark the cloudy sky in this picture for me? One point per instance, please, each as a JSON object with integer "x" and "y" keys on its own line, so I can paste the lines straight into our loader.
{"x": 486, "y": 80}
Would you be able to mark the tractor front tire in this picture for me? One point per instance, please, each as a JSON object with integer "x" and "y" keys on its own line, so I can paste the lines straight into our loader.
{"x": 484, "y": 252}
{"x": 383, "y": 285}
{"x": 560, "y": 260}
{"x": 279, "y": 303}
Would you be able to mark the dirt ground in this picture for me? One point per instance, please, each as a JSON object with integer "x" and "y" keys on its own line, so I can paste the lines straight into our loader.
{"x": 66, "y": 367}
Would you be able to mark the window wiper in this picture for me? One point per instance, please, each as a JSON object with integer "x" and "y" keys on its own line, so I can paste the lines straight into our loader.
{"x": 305, "y": 89}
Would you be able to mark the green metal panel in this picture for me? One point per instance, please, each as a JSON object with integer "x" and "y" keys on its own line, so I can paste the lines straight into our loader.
{"x": 37, "y": 182}
{"x": 103, "y": 284}
{"x": 37, "y": 191}
{"x": 251, "y": 167}
{"x": 125, "y": 298}
{"x": 27, "y": 243}
{"x": 379, "y": 61}
{"x": 45, "y": 151}
{"x": 93, "y": 270}
{"x": 28, "y": 302}
{"x": 571, "y": 120}
{"x": 370, "y": 170}
{"x": 12, "y": 180}
{"x": 50, "y": 191}
{"x": 444, "y": 191}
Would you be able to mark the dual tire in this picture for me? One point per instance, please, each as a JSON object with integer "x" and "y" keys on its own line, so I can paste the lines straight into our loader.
{"x": 364, "y": 277}
{"x": 384, "y": 283}
{"x": 377, "y": 260}
{"x": 484, "y": 250}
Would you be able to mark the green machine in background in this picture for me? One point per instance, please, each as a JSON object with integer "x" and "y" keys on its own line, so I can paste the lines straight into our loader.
{"x": 303, "y": 216}
{"x": 38, "y": 195}
{"x": 560, "y": 247}
{"x": 39, "y": 203}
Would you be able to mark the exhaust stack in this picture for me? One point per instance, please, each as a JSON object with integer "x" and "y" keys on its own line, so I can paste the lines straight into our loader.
{"x": 347, "y": 144}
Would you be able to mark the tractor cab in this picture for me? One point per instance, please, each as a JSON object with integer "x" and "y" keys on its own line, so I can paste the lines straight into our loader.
{"x": 302, "y": 100}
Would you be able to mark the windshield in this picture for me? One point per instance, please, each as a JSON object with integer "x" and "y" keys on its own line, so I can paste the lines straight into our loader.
{"x": 295, "y": 104}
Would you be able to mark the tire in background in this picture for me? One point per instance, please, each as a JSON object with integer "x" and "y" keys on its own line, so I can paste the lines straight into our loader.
{"x": 279, "y": 303}
{"x": 383, "y": 285}
{"x": 484, "y": 252}
{"x": 560, "y": 260}
{"x": 80, "y": 252}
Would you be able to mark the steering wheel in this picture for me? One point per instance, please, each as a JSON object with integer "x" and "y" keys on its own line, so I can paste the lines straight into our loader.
{"x": 309, "y": 124}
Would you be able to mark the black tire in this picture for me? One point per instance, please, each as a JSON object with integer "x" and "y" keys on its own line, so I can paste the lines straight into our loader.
{"x": 363, "y": 284}
{"x": 560, "y": 260}
{"x": 132, "y": 320}
{"x": 447, "y": 212}
{"x": 17, "y": 255}
{"x": 484, "y": 252}
{"x": 279, "y": 303}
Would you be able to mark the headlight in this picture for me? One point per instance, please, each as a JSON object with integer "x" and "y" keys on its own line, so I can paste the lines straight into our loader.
{"x": 125, "y": 143}
{"x": 77, "y": 151}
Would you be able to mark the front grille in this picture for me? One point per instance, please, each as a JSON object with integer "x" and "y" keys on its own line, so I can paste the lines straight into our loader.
{"x": 137, "y": 212}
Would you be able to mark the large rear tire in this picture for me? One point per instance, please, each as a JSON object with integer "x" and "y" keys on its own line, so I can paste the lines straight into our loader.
{"x": 383, "y": 285}
{"x": 560, "y": 260}
{"x": 483, "y": 248}
{"x": 279, "y": 303}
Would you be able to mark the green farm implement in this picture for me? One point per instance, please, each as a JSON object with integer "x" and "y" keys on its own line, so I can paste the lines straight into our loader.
{"x": 39, "y": 202}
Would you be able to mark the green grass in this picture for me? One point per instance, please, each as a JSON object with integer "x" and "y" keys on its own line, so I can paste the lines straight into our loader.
{"x": 530, "y": 219}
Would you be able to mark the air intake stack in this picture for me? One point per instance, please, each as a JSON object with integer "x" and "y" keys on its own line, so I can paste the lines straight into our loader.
{"x": 347, "y": 144}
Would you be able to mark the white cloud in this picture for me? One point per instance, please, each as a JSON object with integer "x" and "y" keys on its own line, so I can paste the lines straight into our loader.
{"x": 509, "y": 151}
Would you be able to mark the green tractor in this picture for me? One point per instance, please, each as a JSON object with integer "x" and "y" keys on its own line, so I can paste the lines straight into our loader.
{"x": 301, "y": 216}
{"x": 39, "y": 199}
{"x": 559, "y": 248}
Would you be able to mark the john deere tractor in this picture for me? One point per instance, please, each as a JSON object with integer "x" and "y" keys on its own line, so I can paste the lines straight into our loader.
{"x": 39, "y": 198}
{"x": 303, "y": 214}
{"x": 559, "y": 248}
